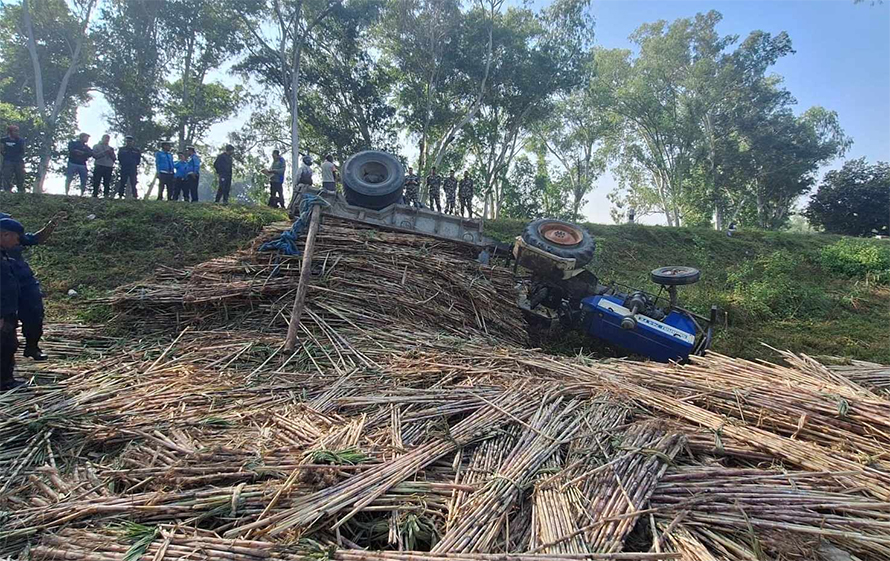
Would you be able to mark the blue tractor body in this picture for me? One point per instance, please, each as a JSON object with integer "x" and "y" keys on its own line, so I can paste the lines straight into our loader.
{"x": 672, "y": 338}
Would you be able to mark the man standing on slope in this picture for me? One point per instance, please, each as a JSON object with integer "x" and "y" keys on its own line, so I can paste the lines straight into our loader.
{"x": 450, "y": 192}
{"x": 180, "y": 167}
{"x": 465, "y": 194}
{"x": 12, "y": 146}
{"x": 129, "y": 157}
{"x": 165, "y": 170}
{"x": 304, "y": 182}
{"x": 223, "y": 167}
{"x": 328, "y": 169}
{"x": 276, "y": 180}
{"x": 192, "y": 174}
{"x": 412, "y": 182}
{"x": 78, "y": 154}
{"x": 103, "y": 165}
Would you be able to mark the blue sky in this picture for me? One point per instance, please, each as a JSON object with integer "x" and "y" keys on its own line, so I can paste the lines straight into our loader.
{"x": 842, "y": 63}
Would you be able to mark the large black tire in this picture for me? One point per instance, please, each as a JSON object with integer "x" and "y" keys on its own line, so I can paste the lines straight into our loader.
{"x": 373, "y": 179}
{"x": 675, "y": 275}
{"x": 562, "y": 239}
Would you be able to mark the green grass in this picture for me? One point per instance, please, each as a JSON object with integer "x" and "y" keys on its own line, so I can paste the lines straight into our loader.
{"x": 790, "y": 291}
{"x": 125, "y": 242}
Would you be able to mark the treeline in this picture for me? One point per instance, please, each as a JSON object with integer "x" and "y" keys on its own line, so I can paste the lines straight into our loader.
{"x": 693, "y": 123}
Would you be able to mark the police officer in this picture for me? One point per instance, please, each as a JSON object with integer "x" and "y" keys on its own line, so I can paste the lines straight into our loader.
{"x": 192, "y": 174}
{"x": 465, "y": 194}
{"x": 412, "y": 184}
{"x": 12, "y": 170}
{"x": 180, "y": 168}
{"x": 30, "y": 307}
{"x": 166, "y": 171}
{"x": 434, "y": 186}
{"x": 450, "y": 192}
{"x": 129, "y": 157}
{"x": 10, "y": 233}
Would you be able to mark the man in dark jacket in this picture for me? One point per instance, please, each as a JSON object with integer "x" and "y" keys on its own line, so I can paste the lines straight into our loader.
{"x": 276, "y": 180}
{"x": 223, "y": 167}
{"x": 10, "y": 231}
{"x": 129, "y": 158}
{"x": 78, "y": 154}
{"x": 12, "y": 146}
{"x": 30, "y": 308}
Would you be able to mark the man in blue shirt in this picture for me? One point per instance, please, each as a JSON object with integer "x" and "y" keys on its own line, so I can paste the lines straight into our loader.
{"x": 78, "y": 154}
{"x": 276, "y": 180}
{"x": 180, "y": 167}
{"x": 30, "y": 305}
{"x": 193, "y": 173}
{"x": 12, "y": 146}
{"x": 166, "y": 171}
{"x": 10, "y": 230}
{"x": 129, "y": 157}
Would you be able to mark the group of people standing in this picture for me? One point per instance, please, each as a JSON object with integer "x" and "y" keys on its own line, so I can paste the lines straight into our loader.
{"x": 175, "y": 177}
{"x": 455, "y": 191}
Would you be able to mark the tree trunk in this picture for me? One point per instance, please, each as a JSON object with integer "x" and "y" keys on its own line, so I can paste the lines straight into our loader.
{"x": 295, "y": 114}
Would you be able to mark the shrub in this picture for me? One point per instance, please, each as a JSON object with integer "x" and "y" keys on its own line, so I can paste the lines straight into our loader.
{"x": 856, "y": 258}
{"x": 768, "y": 288}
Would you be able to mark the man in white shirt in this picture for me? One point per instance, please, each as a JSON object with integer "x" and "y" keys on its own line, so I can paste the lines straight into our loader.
{"x": 328, "y": 169}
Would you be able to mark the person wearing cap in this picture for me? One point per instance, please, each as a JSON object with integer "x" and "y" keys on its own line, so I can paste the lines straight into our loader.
{"x": 78, "y": 154}
{"x": 10, "y": 233}
{"x": 276, "y": 180}
{"x": 223, "y": 168}
{"x": 129, "y": 157}
{"x": 12, "y": 169}
{"x": 304, "y": 183}
{"x": 103, "y": 165}
{"x": 192, "y": 174}
{"x": 30, "y": 306}
{"x": 180, "y": 167}
{"x": 166, "y": 171}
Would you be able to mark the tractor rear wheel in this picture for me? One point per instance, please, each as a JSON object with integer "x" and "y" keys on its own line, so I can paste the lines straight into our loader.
{"x": 562, "y": 239}
{"x": 373, "y": 179}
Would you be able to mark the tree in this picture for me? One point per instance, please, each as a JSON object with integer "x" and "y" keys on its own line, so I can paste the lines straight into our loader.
{"x": 46, "y": 44}
{"x": 274, "y": 33}
{"x": 530, "y": 193}
{"x": 853, "y": 200}
{"x": 130, "y": 67}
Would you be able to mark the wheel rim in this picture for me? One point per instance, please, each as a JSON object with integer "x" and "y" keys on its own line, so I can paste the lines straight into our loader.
{"x": 560, "y": 234}
{"x": 674, "y": 271}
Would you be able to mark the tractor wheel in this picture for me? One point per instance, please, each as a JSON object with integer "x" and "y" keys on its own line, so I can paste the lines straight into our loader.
{"x": 562, "y": 239}
{"x": 373, "y": 179}
{"x": 675, "y": 276}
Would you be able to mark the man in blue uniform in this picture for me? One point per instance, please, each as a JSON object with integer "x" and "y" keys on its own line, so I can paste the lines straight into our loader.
{"x": 193, "y": 173}
{"x": 30, "y": 306}
{"x": 166, "y": 171}
{"x": 129, "y": 157}
{"x": 10, "y": 231}
{"x": 179, "y": 183}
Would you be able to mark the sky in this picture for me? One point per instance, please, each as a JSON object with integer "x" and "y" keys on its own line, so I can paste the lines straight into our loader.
{"x": 842, "y": 62}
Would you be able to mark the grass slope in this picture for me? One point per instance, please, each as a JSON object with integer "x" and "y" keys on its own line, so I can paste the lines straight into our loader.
{"x": 126, "y": 241}
{"x": 771, "y": 287}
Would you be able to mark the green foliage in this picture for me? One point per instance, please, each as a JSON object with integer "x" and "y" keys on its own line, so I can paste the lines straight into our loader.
{"x": 853, "y": 200}
{"x": 347, "y": 457}
{"x": 767, "y": 288}
{"x": 141, "y": 537}
{"x": 858, "y": 259}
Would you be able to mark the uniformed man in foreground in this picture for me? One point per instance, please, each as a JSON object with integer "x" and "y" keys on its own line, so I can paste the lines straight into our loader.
{"x": 434, "y": 187}
{"x": 10, "y": 232}
{"x": 30, "y": 309}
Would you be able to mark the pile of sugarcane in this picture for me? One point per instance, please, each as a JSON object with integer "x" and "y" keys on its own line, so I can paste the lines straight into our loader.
{"x": 392, "y": 434}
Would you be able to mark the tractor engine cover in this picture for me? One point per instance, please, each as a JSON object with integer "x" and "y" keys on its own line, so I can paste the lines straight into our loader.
{"x": 670, "y": 339}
